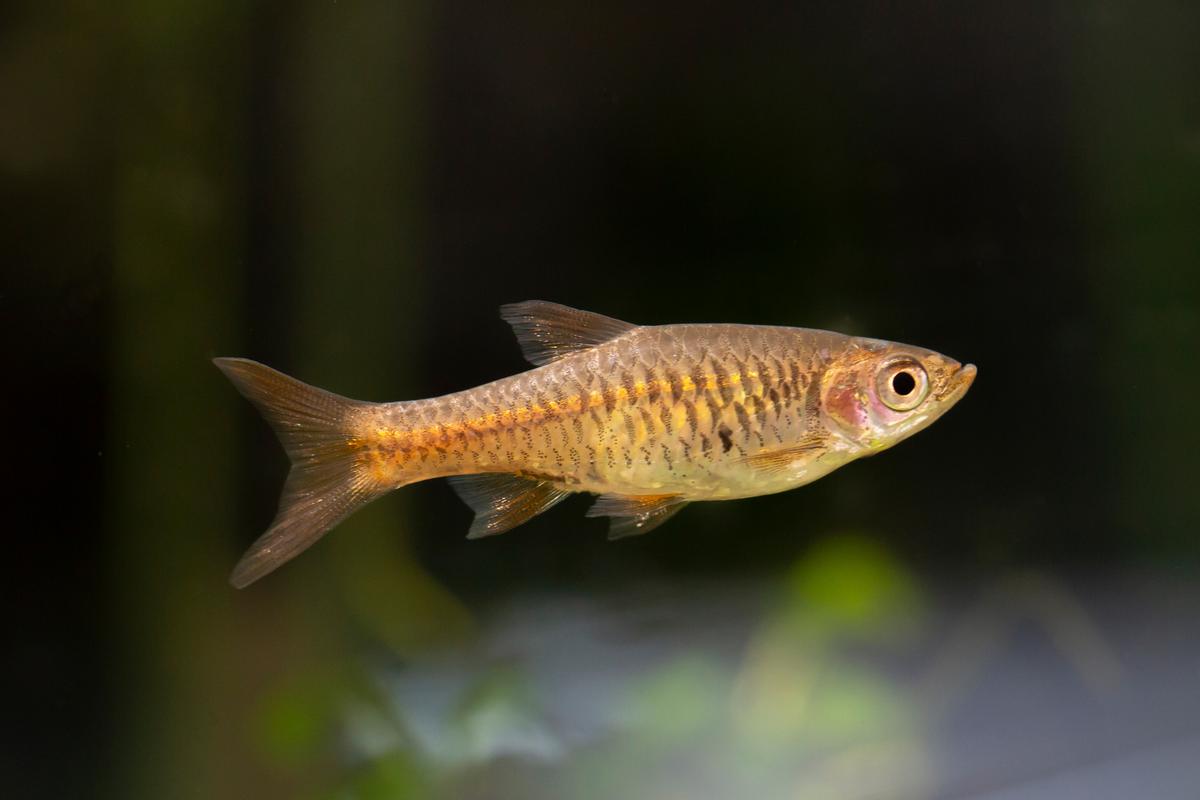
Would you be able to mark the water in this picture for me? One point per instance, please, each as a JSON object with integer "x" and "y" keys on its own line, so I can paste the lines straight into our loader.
{"x": 1003, "y": 607}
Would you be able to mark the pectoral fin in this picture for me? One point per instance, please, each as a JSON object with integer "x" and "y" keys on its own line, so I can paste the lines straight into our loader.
{"x": 770, "y": 462}
{"x": 502, "y": 501}
{"x": 549, "y": 331}
{"x": 632, "y": 515}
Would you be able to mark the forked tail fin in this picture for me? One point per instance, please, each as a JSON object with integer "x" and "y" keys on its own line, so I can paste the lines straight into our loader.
{"x": 325, "y": 484}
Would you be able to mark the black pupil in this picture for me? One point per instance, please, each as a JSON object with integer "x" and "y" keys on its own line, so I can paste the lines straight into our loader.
{"x": 903, "y": 383}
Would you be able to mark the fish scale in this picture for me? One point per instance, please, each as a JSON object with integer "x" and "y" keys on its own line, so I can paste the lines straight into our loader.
{"x": 698, "y": 373}
{"x": 648, "y": 417}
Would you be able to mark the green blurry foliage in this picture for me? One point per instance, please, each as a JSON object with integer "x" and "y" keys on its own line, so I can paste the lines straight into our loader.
{"x": 295, "y": 721}
{"x": 677, "y": 702}
{"x": 500, "y": 716}
{"x": 395, "y": 776}
{"x": 800, "y": 701}
{"x": 849, "y": 585}
{"x": 392, "y": 599}
{"x": 798, "y": 689}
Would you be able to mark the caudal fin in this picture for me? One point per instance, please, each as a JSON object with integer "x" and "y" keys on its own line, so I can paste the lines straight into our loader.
{"x": 325, "y": 484}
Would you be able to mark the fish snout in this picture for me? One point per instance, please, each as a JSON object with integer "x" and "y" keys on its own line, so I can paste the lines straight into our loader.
{"x": 966, "y": 375}
{"x": 960, "y": 380}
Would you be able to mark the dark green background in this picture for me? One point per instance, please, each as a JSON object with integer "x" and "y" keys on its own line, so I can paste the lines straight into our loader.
{"x": 348, "y": 191}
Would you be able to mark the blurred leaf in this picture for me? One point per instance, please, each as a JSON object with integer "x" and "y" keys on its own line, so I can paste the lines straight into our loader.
{"x": 850, "y": 584}
{"x": 677, "y": 702}
{"x": 852, "y": 704}
{"x": 396, "y": 776}
{"x": 890, "y": 768}
{"x": 796, "y": 688}
{"x": 775, "y": 688}
{"x": 795, "y": 701}
{"x": 296, "y": 719}
{"x": 499, "y": 717}
{"x": 389, "y": 593}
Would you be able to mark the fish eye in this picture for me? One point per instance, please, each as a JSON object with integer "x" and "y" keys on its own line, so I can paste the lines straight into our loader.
{"x": 902, "y": 385}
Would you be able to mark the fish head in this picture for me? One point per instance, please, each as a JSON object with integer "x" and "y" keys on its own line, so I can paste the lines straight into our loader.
{"x": 876, "y": 393}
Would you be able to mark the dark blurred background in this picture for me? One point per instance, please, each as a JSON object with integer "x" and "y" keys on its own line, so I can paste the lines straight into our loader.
{"x": 1007, "y": 606}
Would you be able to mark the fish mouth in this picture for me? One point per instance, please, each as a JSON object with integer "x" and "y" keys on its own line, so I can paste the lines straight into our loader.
{"x": 960, "y": 381}
{"x": 966, "y": 374}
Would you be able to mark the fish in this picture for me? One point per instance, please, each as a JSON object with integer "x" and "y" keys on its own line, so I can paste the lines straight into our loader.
{"x": 649, "y": 418}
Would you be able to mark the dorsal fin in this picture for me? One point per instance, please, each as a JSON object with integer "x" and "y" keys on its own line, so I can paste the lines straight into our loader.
{"x": 549, "y": 331}
{"x": 502, "y": 501}
{"x": 630, "y": 516}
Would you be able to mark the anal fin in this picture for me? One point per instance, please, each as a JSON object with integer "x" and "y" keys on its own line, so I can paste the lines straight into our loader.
{"x": 504, "y": 501}
{"x": 632, "y": 515}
